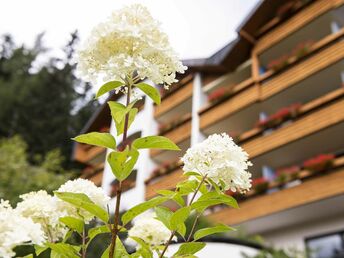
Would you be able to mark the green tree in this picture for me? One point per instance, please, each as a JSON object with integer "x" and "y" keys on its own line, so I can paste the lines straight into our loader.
{"x": 42, "y": 101}
{"x": 18, "y": 176}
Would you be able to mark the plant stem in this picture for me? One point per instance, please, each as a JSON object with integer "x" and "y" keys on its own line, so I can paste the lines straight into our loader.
{"x": 174, "y": 231}
{"x": 83, "y": 250}
{"x": 115, "y": 230}
{"x": 193, "y": 227}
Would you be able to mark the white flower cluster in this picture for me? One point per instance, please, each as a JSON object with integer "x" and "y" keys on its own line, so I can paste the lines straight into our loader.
{"x": 220, "y": 159}
{"x": 42, "y": 208}
{"x": 96, "y": 194}
{"x": 16, "y": 230}
{"x": 150, "y": 230}
{"x": 36, "y": 219}
{"x": 130, "y": 41}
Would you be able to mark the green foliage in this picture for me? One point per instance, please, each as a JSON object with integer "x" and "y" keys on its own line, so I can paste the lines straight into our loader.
{"x": 122, "y": 162}
{"x": 154, "y": 142}
{"x": 142, "y": 207}
{"x": 187, "y": 249}
{"x": 82, "y": 201}
{"x": 63, "y": 250}
{"x": 118, "y": 112}
{"x": 105, "y": 140}
{"x": 19, "y": 176}
{"x": 211, "y": 230}
{"x": 151, "y": 91}
{"x": 109, "y": 86}
{"x": 44, "y": 103}
{"x": 73, "y": 223}
{"x": 179, "y": 217}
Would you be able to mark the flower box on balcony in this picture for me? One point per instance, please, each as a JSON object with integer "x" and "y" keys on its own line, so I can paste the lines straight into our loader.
{"x": 320, "y": 163}
{"x": 260, "y": 185}
{"x": 280, "y": 116}
{"x": 164, "y": 169}
{"x": 284, "y": 175}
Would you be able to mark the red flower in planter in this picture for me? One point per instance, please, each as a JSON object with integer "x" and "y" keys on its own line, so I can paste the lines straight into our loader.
{"x": 218, "y": 94}
{"x": 319, "y": 163}
{"x": 260, "y": 185}
{"x": 281, "y": 115}
{"x": 286, "y": 174}
{"x": 302, "y": 48}
{"x": 279, "y": 63}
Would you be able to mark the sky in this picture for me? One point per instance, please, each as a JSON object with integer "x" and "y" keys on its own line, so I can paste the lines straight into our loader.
{"x": 196, "y": 28}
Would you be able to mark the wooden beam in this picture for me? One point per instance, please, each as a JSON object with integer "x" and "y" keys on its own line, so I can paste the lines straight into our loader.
{"x": 312, "y": 190}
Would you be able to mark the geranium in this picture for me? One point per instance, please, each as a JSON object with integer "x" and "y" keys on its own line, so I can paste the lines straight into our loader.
{"x": 96, "y": 194}
{"x": 218, "y": 95}
{"x": 42, "y": 208}
{"x": 129, "y": 42}
{"x": 150, "y": 230}
{"x": 221, "y": 160}
{"x": 16, "y": 230}
{"x": 319, "y": 163}
{"x": 260, "y": 185}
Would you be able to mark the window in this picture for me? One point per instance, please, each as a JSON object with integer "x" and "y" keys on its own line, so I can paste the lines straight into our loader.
{"x": 326, "y": 246}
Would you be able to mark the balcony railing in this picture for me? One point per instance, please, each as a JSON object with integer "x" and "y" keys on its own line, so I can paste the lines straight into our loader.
{"x": 311, "y": 190}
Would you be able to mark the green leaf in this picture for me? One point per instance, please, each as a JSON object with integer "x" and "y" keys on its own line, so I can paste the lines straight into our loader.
{"x": 211, "y": 230}
{"x": 120, "y": 251}
{"x": 27, "y": 256}
{"x": 105, "y": 140}
{"x": 64, "y": 250}
{"x": 142, "y": 207}
{"x": 154, "y": 142}
{"x": 40, "y": 249}
{"x": 182, "y": 229}
{"x": 123, "y": 162}
{"x": 164, "y": 215}
{"x": 151, "y": 91}
{"x": 73, "y": 223}
{"x": 191, "y": 173}
{"x": 189, "y": 249}
{"x": 179, "y": 217}
{"x": 213, "y": 198}
{"x": 120, "y": 126}
{"x": 82, "y": 201}
{"x": 109, "y": 86}
{"x": 145, "y": 249}
{"x": 186, "y": 187}
{"x": 93, "y": 232}
{"x": 117, "y": 110}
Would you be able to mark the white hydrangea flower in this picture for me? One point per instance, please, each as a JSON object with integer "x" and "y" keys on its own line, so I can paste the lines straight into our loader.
{"x": 42, "y": 208}
{"x": 96, "y": 194}
{"x": 16, "y": 230}
{"x": 220, "y": 158}
{"x": 129, "y": 41}
{"x": 149, "y": 229}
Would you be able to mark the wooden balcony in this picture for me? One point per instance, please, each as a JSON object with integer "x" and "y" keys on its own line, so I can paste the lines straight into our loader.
{"x": 313, "y": 190}
{"x": 175, "y": 99}
{"x": 97, "y": 178}
{"x": 85, "y": 153}
{"x": 302, "y": 70}
{"x": 239, "y": 101}
{"x": 167, "y": 182}
{"x": 178, "y": 135}
{"x": 296, "y": 22}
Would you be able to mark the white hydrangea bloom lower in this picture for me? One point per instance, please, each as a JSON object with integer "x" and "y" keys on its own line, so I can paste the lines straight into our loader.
{"x": 220, "y": 158}
{"x": 42, "y": 208}
{"x": 129, "y": 41}
{"x": 96, "y": 194}
{"x": 149, "y": 229}
{"x": 16, "y": 230}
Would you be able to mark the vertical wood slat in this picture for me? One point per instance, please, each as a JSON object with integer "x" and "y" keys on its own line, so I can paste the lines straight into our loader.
{"x": 311, "y": 190}
{"x": 304, "y": 69}
{"x": 307, "y": 125}
{"x": 166, "y": 182}
{"x": 174, "y": 99}
{"x": 295, "y": 22}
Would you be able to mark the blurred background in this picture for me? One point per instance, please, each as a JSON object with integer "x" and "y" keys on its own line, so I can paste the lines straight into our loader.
{"x": 270, "y": 73}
